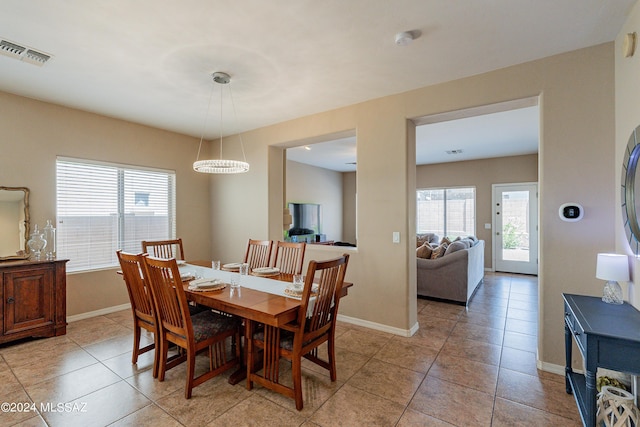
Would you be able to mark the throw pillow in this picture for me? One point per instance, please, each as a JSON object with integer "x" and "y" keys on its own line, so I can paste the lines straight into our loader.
{"x": 424, "y": 251}
{"x": 423, "y": 238}
{"x": 445, "y": 241}
{"x": 455, "y": 246}
{"x": 439, "y": 251}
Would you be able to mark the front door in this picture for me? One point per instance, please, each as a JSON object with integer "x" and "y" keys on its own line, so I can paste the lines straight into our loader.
{"x": 515, "y": 226}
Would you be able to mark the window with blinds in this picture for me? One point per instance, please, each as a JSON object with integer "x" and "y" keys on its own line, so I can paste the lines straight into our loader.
{"x": 104, "y": 207}
{"x": 449, "y": 212}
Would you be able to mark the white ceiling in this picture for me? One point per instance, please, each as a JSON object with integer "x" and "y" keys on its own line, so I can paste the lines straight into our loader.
{"x": 337, "y": 154}
{"x": 149, "y": 61}
{"x": 498, "y": 134}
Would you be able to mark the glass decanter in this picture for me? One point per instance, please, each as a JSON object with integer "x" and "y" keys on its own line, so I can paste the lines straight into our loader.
{"x": 49, "y": 234}
{"x": 36, "y": 243}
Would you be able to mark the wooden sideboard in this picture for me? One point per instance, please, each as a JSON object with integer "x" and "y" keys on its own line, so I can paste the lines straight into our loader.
{"x": 34, "y": 299}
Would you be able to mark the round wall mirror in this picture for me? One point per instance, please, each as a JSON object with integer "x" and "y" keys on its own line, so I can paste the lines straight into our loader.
{"x": 630, "y": 189}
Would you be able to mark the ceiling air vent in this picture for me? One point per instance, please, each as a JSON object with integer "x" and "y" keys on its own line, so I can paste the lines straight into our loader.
{"x": 23, "y": 53}
{"x": 11, "y": 49}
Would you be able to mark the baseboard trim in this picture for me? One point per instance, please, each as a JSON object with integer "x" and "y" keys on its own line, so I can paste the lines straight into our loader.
{"x": 552, "y": 368}
{"x": 379, "y": 326}
{"x": 346, "y": 319}
{"x": 101, "y": 312}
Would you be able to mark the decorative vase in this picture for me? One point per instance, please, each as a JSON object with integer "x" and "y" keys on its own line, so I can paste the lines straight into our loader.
{"x": 49, "y": 233}
{"x": 36, "y": 243}
{"x": 616, "y": 408}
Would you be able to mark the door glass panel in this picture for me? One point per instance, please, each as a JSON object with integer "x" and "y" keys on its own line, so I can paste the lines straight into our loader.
{"x": 515, "y": 226}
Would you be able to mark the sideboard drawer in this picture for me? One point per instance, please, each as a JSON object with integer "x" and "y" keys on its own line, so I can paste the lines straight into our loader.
{"x": 576, "y": 329}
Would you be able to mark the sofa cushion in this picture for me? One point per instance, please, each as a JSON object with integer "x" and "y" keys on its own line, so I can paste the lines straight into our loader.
{"x": 455, "y": 246}
{"x": 439, "y": 251}
{"x": 423, "y": 238}
{"x": 424, "y": 251}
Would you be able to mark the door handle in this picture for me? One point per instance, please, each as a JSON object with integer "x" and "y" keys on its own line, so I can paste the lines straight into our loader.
{"x": 11, "y": 300}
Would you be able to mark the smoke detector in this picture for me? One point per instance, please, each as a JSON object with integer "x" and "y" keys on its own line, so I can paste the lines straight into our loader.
{"x": 406, "y": 37}
{"x": 23, "y": 53}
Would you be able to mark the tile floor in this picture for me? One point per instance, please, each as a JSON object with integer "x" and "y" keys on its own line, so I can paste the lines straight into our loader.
{"x": 464, "y": 367}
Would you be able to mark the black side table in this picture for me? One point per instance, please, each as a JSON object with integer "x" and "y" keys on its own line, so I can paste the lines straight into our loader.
{"x": 608, "y": 336}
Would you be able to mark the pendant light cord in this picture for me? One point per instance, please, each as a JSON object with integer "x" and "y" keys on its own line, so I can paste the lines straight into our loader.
{"x": 235, "y": 115}
{"x": 220, "y": 84}
{"x": 204, "y": 124}
{"x": 206, "y": 117}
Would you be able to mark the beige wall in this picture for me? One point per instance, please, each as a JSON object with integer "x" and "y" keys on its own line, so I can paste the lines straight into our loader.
{"x": 310, "y": 184}
{"x": 627, "y": 78}
{"x": 480, "y": 174}
{"x": 349, "y": 192}
{"x": 577, "y": 131}
{"x": 33, "y": 133}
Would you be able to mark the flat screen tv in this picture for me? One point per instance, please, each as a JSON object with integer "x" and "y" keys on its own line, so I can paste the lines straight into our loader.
{"x": 307, "y": 219}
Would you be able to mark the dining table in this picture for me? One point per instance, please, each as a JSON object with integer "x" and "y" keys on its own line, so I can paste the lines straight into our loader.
{"x": 263, "y": 299}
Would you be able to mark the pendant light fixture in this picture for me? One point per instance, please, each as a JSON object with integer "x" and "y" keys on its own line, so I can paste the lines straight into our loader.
{"x": 220, "y": 165}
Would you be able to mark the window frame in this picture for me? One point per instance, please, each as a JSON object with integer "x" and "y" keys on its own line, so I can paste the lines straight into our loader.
{"x": 445, "y": 208}
{"x": 122, "y": 213}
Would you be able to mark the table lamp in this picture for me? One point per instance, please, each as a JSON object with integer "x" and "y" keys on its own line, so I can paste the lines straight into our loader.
{"x": 612, "y": 268}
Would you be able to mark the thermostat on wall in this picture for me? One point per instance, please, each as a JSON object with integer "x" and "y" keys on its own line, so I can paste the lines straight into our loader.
{"x": 571, "y": 212}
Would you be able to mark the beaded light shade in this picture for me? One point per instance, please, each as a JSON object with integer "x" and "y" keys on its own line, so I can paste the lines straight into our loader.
{"x": 220, "y": 166}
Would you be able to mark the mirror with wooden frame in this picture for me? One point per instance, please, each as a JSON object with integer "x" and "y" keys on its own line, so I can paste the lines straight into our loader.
{"x": 14, "y": 223}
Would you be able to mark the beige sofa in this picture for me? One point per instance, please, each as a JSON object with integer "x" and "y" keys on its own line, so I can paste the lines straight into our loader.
{"x": 454, "y": 277}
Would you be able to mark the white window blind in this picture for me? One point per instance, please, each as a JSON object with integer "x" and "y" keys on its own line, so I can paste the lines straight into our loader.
{"x": 105, "y": 207}
{"x": 449, "y": 212}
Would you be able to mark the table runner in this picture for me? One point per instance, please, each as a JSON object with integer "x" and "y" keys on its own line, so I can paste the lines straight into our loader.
{"x": 264, "y": 284}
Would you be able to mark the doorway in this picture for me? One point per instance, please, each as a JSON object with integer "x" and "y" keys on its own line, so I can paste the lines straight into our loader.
{"x": 515, "y": 226}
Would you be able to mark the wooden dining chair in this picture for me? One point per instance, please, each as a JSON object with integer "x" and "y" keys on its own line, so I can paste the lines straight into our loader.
{"x": 289, "y": 257}
{"x": 164, "y": 248}
{"x": 315, "y": 325}
{"x": 192, "y": 333}
{"x": 258, "y": 253}
{"x": 144, "y": 314}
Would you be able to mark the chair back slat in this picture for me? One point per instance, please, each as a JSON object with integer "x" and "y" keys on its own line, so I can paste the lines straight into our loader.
{"x": 168, "y": 294}
{"x": 329, "y": 277}
{"x": 258, "y": 253}
{"x": 289, "y": 257}
{"x": 132, "y": 266}
{"x": 164, "y": 248}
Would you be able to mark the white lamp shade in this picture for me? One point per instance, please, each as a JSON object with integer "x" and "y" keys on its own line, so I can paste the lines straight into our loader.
{"x": 613, "y": 267}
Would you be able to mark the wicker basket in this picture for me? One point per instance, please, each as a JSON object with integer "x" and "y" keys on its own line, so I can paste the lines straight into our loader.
{"x": 616, "y": 408}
